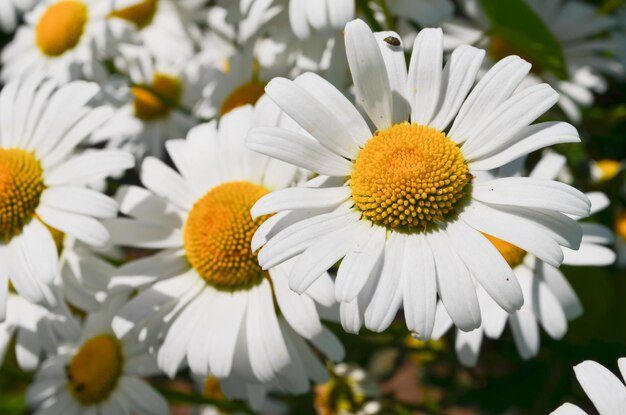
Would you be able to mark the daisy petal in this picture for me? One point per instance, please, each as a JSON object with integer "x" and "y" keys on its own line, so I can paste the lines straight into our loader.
{"x": 568, "y": 409}
{"x": 387, "y": 296}
{"x": 487, "y": 265}
{"x": 424, "y": 78}
{"x": 533, "y": 193}
{"x": 496, "y": 86}
{"x": 513, "y": 229}
{"x": 142, "y": 397}
{"x": 323, "y": 254}
{"x": 549, "y": 310}
{"x": 357, "y": 266}
{"x": 79, "y": 200}
{"x": 313, "y": 116}
{"x": 165, "y": 182}
{"x": 467, "y": 346}
{"x": 366, "y": 65}
{"x": 458, "y": 78}
{"x": 298, "y": 237}
{"x": 298, "y": 310}
{"x": 561, "y": 288}
{"x": 420, "y": 287}
{"x": 605, "y": 390}
{"x": 297, "y": 198}
{"x": 529, "y": 139}
{"x": 515, "y": 114}
{"x": 83, "y": 228}
{"x": 299, "y": 150}
{"x": 83, "y": 168}
{"x": 337, "y": 103}
{"x": 456, "y": 287}
{"x": 395, "y": 63}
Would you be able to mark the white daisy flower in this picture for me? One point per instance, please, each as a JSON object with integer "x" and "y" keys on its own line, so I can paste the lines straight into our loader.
{"x": 241, "y": 82}
{"x": 606, "y": 391}
{"x": 10, "y": 12}
{"x": 44, "y": 181}
{"x": 402, "y": 206}
{"x": 57, "y": 39}
{"x": 200, "y": 217}
{"x": 96, "y": 373}
{"x": 550, "y": 301}
{"x": 26, "y": 321}
{"x": 308, "y": 17}
{"x": 164, "y": 100}
{"x": 575, "y": 25}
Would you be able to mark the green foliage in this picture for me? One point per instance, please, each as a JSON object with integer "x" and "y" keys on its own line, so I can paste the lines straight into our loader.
{"x": 516, "y": 23}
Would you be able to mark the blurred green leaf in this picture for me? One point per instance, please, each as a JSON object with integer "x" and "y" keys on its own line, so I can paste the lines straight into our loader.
{"x": 517, "y": 24}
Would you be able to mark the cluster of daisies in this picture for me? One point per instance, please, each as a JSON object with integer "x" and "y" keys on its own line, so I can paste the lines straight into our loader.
{"x": 205, "y": 188}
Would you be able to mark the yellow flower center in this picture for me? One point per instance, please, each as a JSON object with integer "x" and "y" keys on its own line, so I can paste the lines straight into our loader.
{"x": 513, "y": 255}
{"x": 248, "y": 93}
{"x": 212, "y": 389}
{"x": 608, "y": 169}
{"x": 500, "y": 48}
{"x": 95, "y": 369}
{"x": 408, "y": 176}
{"x": 218, "y": 233}
{"x": 157, "y": 100}
{"x": 141, "y": 14}
{"x": 21, "y": 185}
{"x": 620, "y": 225}
{"x": 61, "y": 27}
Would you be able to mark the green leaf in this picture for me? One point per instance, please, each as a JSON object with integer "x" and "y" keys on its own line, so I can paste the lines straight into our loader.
{"x": 516, "y": 23}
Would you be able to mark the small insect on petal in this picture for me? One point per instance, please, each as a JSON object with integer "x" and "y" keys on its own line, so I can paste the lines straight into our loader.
{"x": 392, "y": 40}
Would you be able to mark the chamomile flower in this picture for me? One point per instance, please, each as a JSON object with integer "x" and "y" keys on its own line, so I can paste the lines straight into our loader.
{"x": 550, "y": 301}
{"x": 11, "y": 10}
{"x": 402, "y": 205}
{"x": 166, "y": 28}
{"x": 205, "y": 293}
{"x": 56, "y": 40}
{"x": 163, "y": 101}
{"x": 241, "y": 82}
{"x": 606, "y": 391}
{"x": 96, "y": 372}
{"x": 43, "y": 181}
{"x": 576, "y": 25}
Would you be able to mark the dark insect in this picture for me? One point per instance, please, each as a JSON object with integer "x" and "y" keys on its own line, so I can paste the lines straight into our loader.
{"x": 393, "y": 41}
